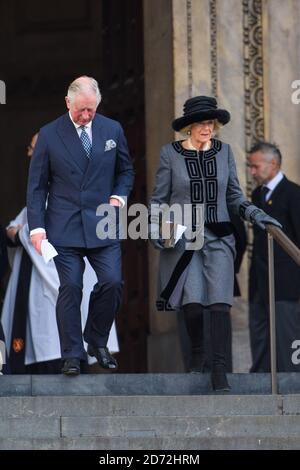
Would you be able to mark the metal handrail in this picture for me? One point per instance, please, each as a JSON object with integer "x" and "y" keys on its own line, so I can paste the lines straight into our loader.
{"x": 284, "y": 241}
{"x": 293, "y": 251}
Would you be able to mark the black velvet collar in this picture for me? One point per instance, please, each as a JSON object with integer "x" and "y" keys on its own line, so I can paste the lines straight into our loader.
{"x": 215, "y": 148}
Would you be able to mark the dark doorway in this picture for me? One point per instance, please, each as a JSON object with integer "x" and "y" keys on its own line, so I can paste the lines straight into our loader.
{"x": 44, "y": 46}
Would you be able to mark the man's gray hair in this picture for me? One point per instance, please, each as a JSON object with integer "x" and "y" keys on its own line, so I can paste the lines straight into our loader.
{"x": 83, "y": 85}
{"x": 270, "y": 151}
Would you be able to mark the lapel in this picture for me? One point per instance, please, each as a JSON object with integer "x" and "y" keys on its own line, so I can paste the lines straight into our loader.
{"x": 70, "y": 138}
{"x": 277, "y": 193}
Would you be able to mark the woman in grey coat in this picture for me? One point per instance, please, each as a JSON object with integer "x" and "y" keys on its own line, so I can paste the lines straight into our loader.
{"x": 199, "y": 173}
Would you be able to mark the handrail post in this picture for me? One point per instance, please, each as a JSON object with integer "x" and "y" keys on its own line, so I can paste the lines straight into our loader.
{"x": 272, "y": 314}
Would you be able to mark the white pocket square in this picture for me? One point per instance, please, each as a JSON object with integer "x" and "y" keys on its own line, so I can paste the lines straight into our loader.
{"x": 110, "y": 144}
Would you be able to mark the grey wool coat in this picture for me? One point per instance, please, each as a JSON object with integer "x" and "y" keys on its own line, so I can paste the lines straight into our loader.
{"x": 207, "y": 178}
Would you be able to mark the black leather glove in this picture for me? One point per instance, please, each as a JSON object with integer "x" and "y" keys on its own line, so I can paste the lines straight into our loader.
{"x": 158, "y": 243}
{"x": 260, "y": 218}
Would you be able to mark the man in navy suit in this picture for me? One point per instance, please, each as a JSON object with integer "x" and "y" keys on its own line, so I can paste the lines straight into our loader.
{"x": 80, "y": 161}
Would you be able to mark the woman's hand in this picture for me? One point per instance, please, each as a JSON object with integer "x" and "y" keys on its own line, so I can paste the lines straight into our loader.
{"x": 260, "y": 218}
{"x": 158, "y": 243}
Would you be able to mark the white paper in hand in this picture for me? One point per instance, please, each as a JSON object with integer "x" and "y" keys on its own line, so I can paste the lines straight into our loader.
{"x": 48, "y": 251}
{"x": 180, "y": 229}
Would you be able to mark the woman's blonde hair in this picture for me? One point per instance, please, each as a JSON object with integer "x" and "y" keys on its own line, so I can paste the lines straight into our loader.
{"x": 187, "y": 129}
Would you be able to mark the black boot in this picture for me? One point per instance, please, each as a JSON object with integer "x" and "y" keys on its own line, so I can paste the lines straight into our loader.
{"x": 193, "y": 317}
{"x": 219, "y": 321}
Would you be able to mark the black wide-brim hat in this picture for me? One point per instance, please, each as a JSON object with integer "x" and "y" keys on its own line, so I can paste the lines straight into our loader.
{"x": 200, "y": 108}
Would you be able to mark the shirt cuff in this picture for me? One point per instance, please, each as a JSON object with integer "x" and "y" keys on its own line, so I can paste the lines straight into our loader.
{"x": 37, "y": 230}
{"x": 119, "y": 198}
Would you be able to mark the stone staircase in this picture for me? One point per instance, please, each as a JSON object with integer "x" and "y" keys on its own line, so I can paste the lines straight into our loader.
{"x": 148, "y": 411}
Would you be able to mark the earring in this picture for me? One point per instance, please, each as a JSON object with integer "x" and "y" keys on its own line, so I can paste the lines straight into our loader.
{"x": 188, "y": 132}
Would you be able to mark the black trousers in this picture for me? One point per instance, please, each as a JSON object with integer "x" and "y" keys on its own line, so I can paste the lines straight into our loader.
{"x": 287, "y": 316}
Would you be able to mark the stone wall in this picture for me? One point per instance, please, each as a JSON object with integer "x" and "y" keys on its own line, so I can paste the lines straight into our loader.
{"x": 247, "y": 54}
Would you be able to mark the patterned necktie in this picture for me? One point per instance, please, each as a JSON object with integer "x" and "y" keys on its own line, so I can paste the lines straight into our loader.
{"x": 85, "y": 140}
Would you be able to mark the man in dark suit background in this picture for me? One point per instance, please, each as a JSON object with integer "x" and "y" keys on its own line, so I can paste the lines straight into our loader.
{"x": 3, "y": 269}
{"x": 81, "y": 161}
{"x": 280, "y": 198}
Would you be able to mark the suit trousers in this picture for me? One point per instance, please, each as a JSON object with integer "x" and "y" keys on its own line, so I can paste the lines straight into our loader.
{"x": 105, "y": 298}
{"x": 287, "y": 335}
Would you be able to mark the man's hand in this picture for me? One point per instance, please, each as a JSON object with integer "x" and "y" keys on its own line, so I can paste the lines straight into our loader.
{"x": 115, "y": 202}
{"x": 36, "y": 240}
{"x": 11, "y": 232}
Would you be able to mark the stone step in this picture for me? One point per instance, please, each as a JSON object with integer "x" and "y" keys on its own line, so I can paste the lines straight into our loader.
{"x": 163, "y": 443}
{"x": 187, "y": 426}
{"x": 201, "y": 405}
{"x": 148, "y": 411}
{"x": 141, "y": 384}
{"x": 151, "y": 427}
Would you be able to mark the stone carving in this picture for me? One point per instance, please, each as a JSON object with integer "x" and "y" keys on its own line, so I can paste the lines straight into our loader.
{"x": 213, "y": 47}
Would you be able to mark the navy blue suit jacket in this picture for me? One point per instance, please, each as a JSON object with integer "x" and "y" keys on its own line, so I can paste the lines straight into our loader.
{"x": 73, "y": 185}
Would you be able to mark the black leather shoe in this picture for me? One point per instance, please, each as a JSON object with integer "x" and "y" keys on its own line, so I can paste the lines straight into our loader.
{"x": 71, "y": 366}
{"x": 219, "y": 379}
{"x": 103, "y": 356}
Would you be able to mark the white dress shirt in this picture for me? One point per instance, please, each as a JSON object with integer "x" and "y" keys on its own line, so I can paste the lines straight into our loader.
{"x": 271, "y": 185}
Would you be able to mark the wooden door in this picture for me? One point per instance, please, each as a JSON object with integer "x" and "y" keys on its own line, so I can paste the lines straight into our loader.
{"x": 44, "y": 46}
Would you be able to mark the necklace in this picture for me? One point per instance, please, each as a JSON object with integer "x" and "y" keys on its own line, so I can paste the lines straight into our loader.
{"x": 191, "y": 147}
